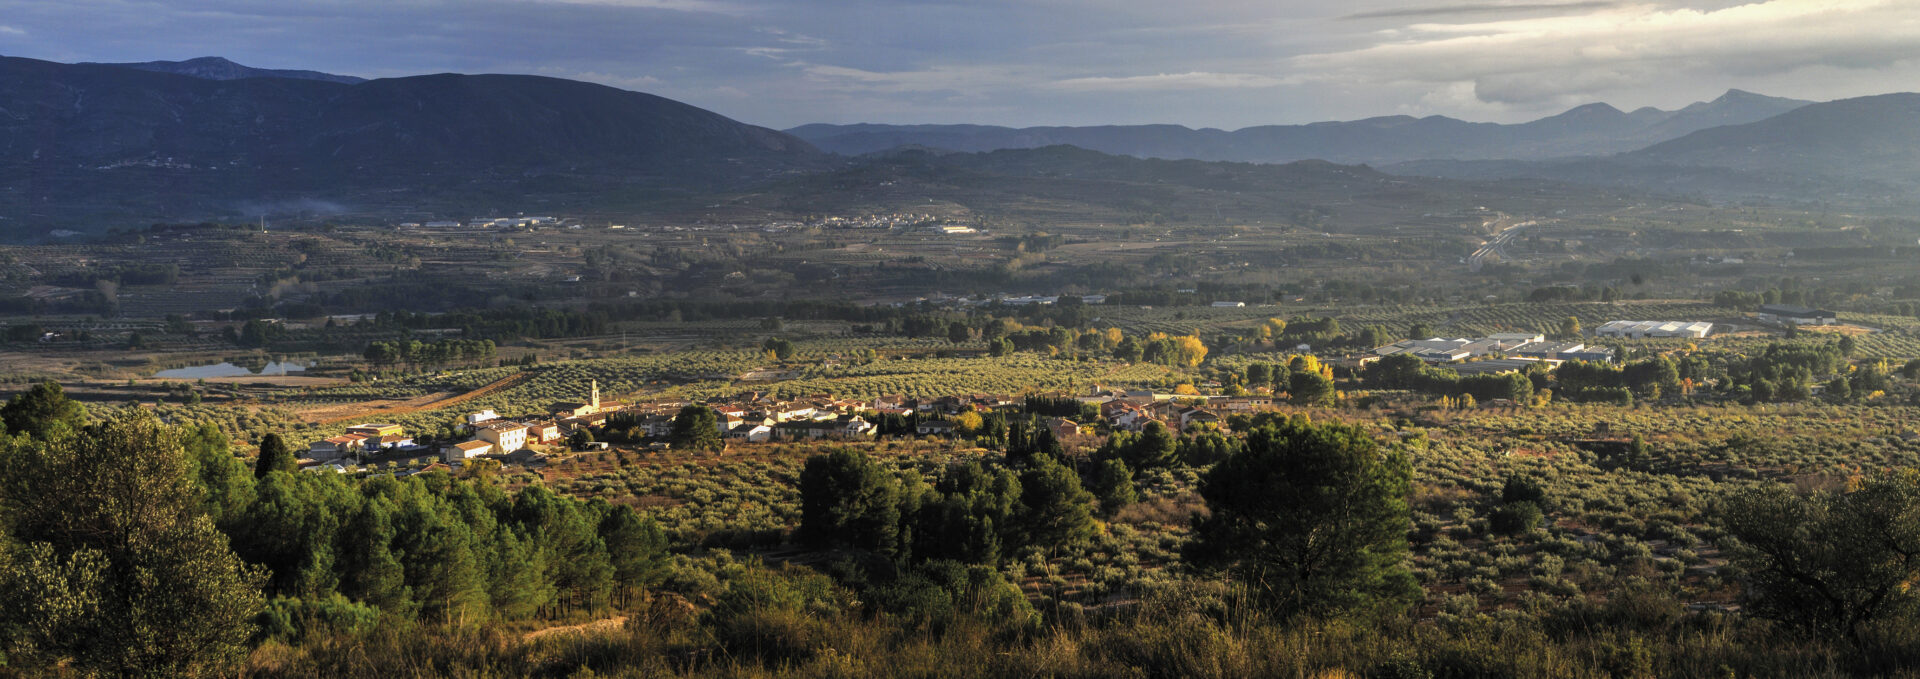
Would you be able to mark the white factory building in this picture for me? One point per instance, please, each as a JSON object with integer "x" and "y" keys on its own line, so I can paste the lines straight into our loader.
{"x": 1640, "y": 329}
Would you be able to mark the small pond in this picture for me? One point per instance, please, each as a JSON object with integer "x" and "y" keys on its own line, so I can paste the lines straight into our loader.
{"x": 227, "y": 369}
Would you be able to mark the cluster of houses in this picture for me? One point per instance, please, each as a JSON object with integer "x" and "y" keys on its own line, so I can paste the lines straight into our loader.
{"x": 755, "y": 417}
{"x": 1131, "y": 410}
{"x": 363, "y": 439}
{"x": 1514, "y": 345}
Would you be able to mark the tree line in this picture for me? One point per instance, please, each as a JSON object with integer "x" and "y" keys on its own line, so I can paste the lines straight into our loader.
{"x": 435, "y": 353}
{"x": 140, "y": 549}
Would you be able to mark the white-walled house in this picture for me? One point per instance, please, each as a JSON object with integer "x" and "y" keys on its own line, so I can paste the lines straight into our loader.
{"x": 506, "y": 436}
{"x": 465, "y": 450}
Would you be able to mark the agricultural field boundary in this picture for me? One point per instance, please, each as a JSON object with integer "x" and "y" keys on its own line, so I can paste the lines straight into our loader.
{"x": 501, "y": 384}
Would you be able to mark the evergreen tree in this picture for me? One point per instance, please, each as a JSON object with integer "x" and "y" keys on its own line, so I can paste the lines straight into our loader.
{"x": 1054, "y": 510}
{"x": 1111, "y": 483}
{"x": 1310, "y": 389}
{"x": 42, "y": 411}
{"x": 220, "y": 479}
{"x": 697, "y": 427}
{"x": 115, "y": 569}
{"x": 1258, "y": 374}
{"x": 369, "y": 571}
{"x": 291, "y": 527}
{"x": 1313, "y": 518}
{"x": 1153, "y": 448}
{"x": 636, "y": 547}
{"x": 958, "y": 332}
{"x": 275, "y": 456}
{"x": 1570, "y": 328}
{"x": 847, "y": 500}
{"x": 780, "y": 347}
{"x": 966, "y": 516}
{"x": 519, "y": 575}
{"x": 1829, "y": 563}
{"x": 442, "y": 572}
{"x": 582, "y": 572}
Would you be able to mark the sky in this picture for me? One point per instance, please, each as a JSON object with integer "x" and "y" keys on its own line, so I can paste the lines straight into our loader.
{"x": 1199, "y": 63}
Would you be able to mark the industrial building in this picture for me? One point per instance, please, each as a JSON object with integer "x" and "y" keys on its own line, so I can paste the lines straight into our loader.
{"x": 1641, "y": 329}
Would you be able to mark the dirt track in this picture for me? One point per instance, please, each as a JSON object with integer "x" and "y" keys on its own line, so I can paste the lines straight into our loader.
{"x": 359, "y": 411}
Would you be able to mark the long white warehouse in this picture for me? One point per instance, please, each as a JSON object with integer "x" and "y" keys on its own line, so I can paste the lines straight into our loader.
{"x": 1639, "y": 329}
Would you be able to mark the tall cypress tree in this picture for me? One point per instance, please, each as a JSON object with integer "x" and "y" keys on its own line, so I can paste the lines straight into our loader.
{"x": 275, "y": 456}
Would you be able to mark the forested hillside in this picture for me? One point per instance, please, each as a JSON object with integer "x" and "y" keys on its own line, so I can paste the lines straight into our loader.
{"x": 138, "y": 548}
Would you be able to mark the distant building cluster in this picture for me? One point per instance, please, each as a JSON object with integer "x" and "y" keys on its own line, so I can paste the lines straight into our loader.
{"x": 1643, "y": 329}
{"x": 898, "y": 220}
{"x": 1024, "y": 300}
{"x": 1797, "y": 315}
{"x": 1523, "y": 346}
{"x": 484, "y": 223}
{"x": 756, "y": 417}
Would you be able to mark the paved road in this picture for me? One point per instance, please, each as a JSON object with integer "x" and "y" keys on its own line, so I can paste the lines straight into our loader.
{"x": 1498, "y": 246}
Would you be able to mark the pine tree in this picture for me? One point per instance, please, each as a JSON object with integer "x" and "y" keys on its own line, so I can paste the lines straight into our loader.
{"x": 1112, "y": 483}
{"x": 1570, "y": 328}
{"x": 369, "y": 571}
{"x": 846, "y": 500}
{"x": 442, "y": 571}
{"x": 1153, "y": 448}
{"x": 582, "y": 573}
{"x": 697, "y": 427}
{"x": 221, "y": 480}
{"x": 1054, "y": 510}
{"x": 42, "y": 411}
{"x": 519, "y": 575}
{"x": 1314, "y": 518}
{"x": 636, "y": 547}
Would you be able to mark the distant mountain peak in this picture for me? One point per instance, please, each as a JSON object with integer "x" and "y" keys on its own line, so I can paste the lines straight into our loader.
{"x": 1598, "y": 108}
{"x": 222, "y": 68}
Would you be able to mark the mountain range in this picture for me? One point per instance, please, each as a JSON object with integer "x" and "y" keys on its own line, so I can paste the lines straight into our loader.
{"x": 1593, "y": 129}
{"x": 87, "y": 146}
{"x": 219, "y": 68}
{"x": 1859, "y": 152}
{"x": 86, "y": 142}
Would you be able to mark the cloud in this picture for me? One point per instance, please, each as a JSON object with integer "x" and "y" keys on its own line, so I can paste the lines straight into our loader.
{"x": 1482, "y": 8}
{"x": 640, "y": 83}
{"x": 674, "y": 5}
{"x": 1192, "y": 80}
{"x": 9, "y": 30}
{"x": 1565, "y": 59}
{"x": 959, "y": 79}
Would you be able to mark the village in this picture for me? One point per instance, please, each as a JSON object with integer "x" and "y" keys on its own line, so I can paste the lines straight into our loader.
{"x": 757, "y": 418}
